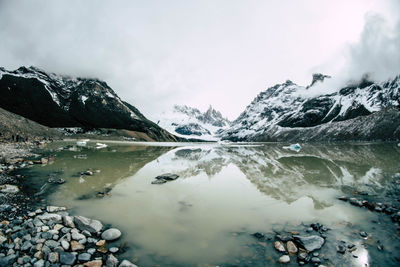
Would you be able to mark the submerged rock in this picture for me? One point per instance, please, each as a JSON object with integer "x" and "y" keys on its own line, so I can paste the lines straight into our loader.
{"x": 159, "y": 181}
{"x": 309, "y": 243}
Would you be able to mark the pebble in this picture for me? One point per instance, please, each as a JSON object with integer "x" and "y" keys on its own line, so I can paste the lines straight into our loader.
{"x": 111, "y": 261}
{"x": 67, "y": 258}
{"x": 76, "y": 246}
{"x": 114, "y": 250}
{"x": 279, "y": 246}
{"x": 126, "y": 263}
{"x": 363, "y": 234}
{"x": 291, "y": 247}
{"x": 95, "y": 263}
{"x": 53, "y": 257}
{"x": 100, "y": 243}
{"x": 284, "y": 259}
{"x": 341, "y": 249}
{"x": 84, "y": 257}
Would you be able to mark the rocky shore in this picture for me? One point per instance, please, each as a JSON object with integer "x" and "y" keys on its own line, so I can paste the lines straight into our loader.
{"x": 33, "y": 234}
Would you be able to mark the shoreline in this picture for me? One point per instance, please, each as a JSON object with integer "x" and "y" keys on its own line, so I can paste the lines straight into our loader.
{"x": 35, "y": 234}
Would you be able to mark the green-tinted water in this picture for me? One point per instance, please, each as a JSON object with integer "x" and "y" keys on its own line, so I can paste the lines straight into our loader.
{"x": 224, "y": 194}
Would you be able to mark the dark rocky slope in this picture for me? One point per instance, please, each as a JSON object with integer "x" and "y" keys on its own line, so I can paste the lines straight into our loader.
{"x": 62, "y": 101}
{"x": 12, "y": 125}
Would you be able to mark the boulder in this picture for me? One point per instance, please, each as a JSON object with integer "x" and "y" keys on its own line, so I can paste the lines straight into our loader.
{"x": 111, "y": 234}
{"x": 83, "y": 223}
{"x": 309, "y": 243}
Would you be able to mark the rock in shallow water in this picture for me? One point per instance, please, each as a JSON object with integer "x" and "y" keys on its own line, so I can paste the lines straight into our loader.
{"x": 83, "y": 223}
{"x": 111, "y": 234}
{"x": 291, "y": 247}
{"x": 284, "y": 259}
{"x": 310, "y": 243}
{"x": 126, "y": 263}
{"x": 279, "y": 246}
{"x": 168, "y": 176}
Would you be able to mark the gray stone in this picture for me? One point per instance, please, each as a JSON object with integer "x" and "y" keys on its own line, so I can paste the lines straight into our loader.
{"x": 67, "y": 258}
{"x": 46, "y": 235}
{"x": 83, "y": 223}
{"x": 77, "y": 236}
{"x": 91, "y": 250}
{"x": 114, "y": 250}
{"x": 65, "y": 244}
{"x": 310, "y": 243}
{"x": 26, "y": 246}
{"x": 39, "y": 263}
{"x": 111, "y": 234}
{"x": 52, "y": 209}
{"x": 126, "y": 263}
{"x": 84, "y": 257}
{"x": 8, "y": 260}
{"x": 53, "y": 257}
{"x": 51, "y": 244}
{"x": 50, "y": 217}
{"x": 2, "y": 239}
{"x": 69, "y": 221}
{"x": 111, "y": 261}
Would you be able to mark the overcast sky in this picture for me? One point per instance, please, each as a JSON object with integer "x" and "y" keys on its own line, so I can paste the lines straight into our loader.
{"x": 221, "y": 52}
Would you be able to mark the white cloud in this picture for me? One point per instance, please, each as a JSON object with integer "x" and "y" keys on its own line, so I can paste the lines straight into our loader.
{"x": 158, "y": 53}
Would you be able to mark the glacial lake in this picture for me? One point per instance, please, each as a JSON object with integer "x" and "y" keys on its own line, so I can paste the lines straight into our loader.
{"x": 224, "y": 194}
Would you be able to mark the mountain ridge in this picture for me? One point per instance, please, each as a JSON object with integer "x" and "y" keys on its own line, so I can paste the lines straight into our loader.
{"x": 63, "y": 101}
{"x": 282, "y": 107}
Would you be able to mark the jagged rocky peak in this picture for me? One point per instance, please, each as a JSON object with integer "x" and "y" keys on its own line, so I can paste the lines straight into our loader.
{"x": 211, "y": 116}
{"x": 63, "y": 101}
{"x": 318, "y": 77}
{"x": 187, "y": 121}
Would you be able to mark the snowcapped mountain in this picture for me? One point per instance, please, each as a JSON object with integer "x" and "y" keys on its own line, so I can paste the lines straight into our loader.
{"x": 190, "y": 122}
{"x": 285, "y": 112}
{"x": 62, "y": 101}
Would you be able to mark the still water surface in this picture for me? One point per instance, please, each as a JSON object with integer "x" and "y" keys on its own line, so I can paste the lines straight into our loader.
{"x": 224, "y": 193}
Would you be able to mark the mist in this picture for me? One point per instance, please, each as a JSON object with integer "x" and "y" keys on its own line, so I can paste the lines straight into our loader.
{"x": 155, "y": 54}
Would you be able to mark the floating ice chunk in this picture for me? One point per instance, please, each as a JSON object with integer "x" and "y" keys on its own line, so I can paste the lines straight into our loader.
{"x": 100, "y": 145}
{"x": 81, "y": 143}
{"x": 293, "y": 147}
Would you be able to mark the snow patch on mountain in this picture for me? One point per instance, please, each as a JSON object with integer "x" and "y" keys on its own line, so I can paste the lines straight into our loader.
{"x": 190, "y": 122}
{"x": 288, "y": 105}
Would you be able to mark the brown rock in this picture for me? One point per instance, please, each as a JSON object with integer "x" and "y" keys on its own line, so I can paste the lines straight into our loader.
{"x": 291, "y": 247}
{"x": 75, "y": 246}
{"x": 95, "y": 263}
{"x": 100, "y": 243}
{"x": 279, "y": 246}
